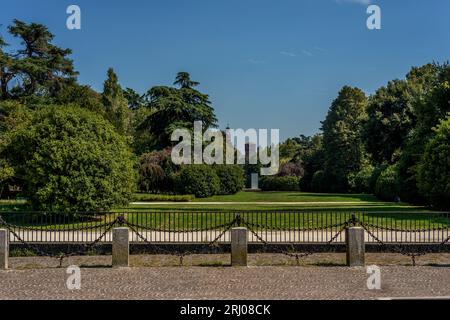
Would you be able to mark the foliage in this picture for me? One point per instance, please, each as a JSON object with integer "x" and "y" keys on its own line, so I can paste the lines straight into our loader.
{"x": 312, "y": 158}
{"x": 430, "y": 104}
{"x": 342, "y": 141}
{"x": 116, "y": 106}
{"x": 231, "y": 178}
{"x": 199, "y": 180}
{"x": 155, "y": 171}
{"x": 38, "y": 68}
{"x": 434, "y": 169}
{"x": 390, "y": 120}
{"x": 72, "y": 160}
{"x": 293, "y": 169}
{"x": 361, "y": 182}
{"x": 278, "y": 183}
{"x": 134, "y": 99}
{"x": 387, "y": 187}
{"x": 176, "y": 108}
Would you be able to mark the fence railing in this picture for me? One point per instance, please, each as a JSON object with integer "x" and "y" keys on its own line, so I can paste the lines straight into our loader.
{"x": 205, "y": 227}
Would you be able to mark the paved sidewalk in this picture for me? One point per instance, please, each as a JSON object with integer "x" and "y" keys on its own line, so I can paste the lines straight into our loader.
{"x": 226, "y": 283}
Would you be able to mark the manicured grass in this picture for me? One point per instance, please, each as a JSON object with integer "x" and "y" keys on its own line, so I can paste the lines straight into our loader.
{"x": 290, "y": 197}
{"x": 315, "y": 210}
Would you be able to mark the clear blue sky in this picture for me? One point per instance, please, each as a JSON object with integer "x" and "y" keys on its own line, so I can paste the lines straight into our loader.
{"x": 265, "y": 63}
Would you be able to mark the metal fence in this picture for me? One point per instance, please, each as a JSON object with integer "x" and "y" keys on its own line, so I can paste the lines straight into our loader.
{"x": 206, "y": 227}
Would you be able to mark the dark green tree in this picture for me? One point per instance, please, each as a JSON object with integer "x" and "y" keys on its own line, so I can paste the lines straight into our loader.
{"x": 39, "y": 66}
{"x": 342, "y": 138}
{"x": 390, "y": 121}
{"x": 176, "y": 108}
{"x": 135, "y": 100}
{"x": 183, "y": 80}
{"x": 431, "y": 98}
{"x": 116, "y": 106}
{"x": 434, "y": 168}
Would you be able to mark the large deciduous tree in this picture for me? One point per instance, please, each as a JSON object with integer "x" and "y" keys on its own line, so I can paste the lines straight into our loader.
{"x": 390, "y": 120}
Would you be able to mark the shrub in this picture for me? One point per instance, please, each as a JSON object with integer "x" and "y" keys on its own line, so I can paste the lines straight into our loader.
{"x": 291, "y": 169}
{"x": 387, "y": 187}
{"x": 199, "y": 180}
{"x": 72, "y": 160}
{"x": 151, "y": 177}
{"x": 318, "y": 183}
{"x": 434, "y": 168}
{"x": 155, "y": 170}
{"x": 231, "y": 178}
{"x": 162, "y": 197}
{"x": 276, "y": 183}
{"x": 361, "y": 181}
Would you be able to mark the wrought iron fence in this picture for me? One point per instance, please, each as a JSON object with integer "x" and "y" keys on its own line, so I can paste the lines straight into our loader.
{"x": 206, "y": 227}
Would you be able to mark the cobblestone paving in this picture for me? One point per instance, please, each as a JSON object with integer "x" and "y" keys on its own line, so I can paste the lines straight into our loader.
{"x": 262, "y": 282}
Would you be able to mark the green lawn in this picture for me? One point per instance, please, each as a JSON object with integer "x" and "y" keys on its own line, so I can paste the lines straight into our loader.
{"x": 315, "y": 210}
{"x": 290, "y": 197}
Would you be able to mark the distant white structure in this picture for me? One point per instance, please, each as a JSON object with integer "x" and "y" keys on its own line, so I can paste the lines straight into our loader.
{"x": 255, "y": 181}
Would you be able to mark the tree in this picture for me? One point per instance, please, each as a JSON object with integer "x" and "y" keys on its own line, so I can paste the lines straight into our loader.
{"x": 183, "y": 79}
{"x": 312, "y": 158}
{"x": 116, "y": 105}
{"x": 7, "y": 71}
{"x": 72, "y": 160}
{"x": 434, "y": 168}
{"x": 431, "y": 96}
{"x": 135, "y": 100}
{"x": 342, "y": 141}
{"x": 40, "y": 67}
{"x": 176, "y": 108}
{"x": 390, "y": 120}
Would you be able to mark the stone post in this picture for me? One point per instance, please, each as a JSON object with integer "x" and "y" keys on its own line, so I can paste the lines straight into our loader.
{"x": 239, "y": 246}
{"x": 4, "y": 249}
{"x": 120, "y": 248}
{"x": 356, "y": 249}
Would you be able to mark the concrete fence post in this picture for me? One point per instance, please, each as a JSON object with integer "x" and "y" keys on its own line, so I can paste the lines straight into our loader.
{"x": 356, "y": 248}
{"x": 120, "y": 248}
{"x": 4, "y": 249}
{"x": 239, "y": 247}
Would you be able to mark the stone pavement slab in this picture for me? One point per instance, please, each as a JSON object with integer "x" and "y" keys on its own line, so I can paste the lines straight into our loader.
{"x": 226, "y": 283}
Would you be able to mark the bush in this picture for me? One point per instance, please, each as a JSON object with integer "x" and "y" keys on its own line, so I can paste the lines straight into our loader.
{"x": 361, "y": 181}
{"x": 291, "y": 169}
{"x": 387, "y": 187}
{"x": 155, "y": 170}
{"x": 199, "y": 180}
{"x": 162, "y": 197}
{"x": 151, "y": 177}
{"x": 434, "y": 169}
{"x": 276, "y": 183}
{"x": 72, "y": 160}
{"x": 231, "y": 178}
{"x": 318, "y": 182}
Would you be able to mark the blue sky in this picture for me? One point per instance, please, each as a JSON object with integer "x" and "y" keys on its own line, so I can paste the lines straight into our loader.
{"x": 264, "y": 63}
